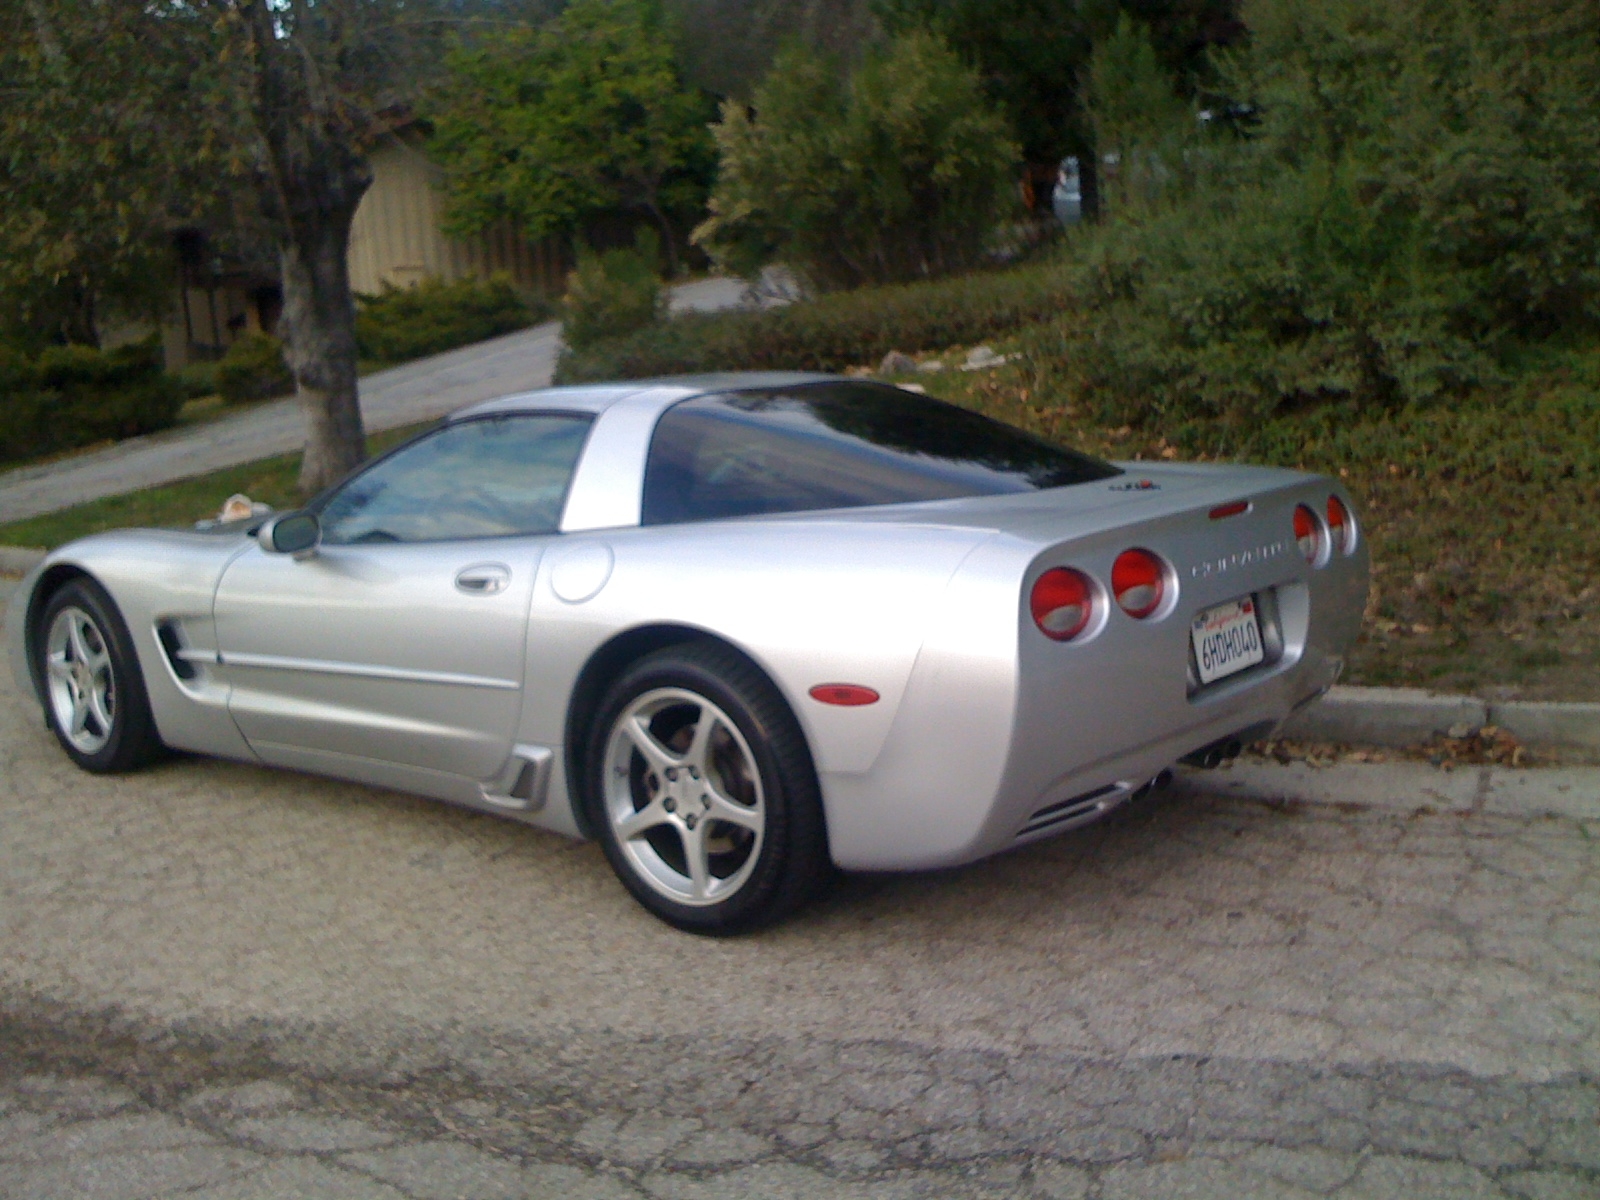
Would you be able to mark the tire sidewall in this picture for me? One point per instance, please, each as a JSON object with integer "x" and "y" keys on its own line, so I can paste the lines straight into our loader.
{"x": 131, "y": 725}
{"x": 761, "y": 898}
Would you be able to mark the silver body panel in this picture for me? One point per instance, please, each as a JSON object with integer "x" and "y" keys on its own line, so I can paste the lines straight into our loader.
{"x": 371, "y": 663}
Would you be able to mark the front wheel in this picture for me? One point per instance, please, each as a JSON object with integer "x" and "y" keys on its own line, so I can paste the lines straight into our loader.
{"x": 703, "y": 792}
{"x": 94, "y": 690}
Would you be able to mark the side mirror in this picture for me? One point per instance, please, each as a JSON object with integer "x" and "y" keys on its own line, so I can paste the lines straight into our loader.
{"x": 296, "y": 533}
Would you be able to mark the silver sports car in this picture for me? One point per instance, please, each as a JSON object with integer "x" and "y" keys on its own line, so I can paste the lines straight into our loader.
{"x": 741, "y": 629}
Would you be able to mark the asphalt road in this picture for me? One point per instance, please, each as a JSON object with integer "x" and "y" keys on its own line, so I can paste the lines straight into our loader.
{"x": 405, "y": 395}
{"x": 220, "y": 981}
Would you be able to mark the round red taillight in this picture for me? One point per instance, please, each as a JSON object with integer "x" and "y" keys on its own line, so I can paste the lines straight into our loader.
{"x": 1341, "y": 529}
{"x": 1139, "y": 582}
{"x": 1308, "y": 534}
{"x": 1062, "y": 602}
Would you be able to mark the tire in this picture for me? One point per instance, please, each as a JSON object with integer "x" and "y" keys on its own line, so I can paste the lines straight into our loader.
{"x": 703, "y": 793}
{"x": 94, "y": 695}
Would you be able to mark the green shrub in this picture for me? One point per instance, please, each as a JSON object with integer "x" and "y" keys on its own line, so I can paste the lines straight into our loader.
{"x": 252, "y": 369}
{"x": 1420, "y": 196}
{"x": 614, "y": 293}
{"x": 197, "y": 379}
{"x": 76, "y": 395}
{"x": 899, "y": 173}
{"x": 400, "y": 324}
{"x": 833, "y": 332}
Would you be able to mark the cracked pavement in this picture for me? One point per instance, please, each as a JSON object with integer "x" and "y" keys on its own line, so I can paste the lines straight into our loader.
{"x": 220, "y": 981}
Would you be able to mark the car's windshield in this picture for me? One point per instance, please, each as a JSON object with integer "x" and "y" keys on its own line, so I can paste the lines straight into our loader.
{"x": 839, "y": 445}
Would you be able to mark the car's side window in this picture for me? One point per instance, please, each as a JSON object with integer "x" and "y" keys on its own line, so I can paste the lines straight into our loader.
{"x": 487, "y": 477}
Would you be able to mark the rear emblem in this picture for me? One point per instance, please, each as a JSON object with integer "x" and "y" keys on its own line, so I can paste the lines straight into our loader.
{"x": 1232, "y": 562}
{"x": 1137, "y": 485}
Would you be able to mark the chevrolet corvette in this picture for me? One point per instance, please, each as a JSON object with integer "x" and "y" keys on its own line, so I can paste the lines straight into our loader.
{"x": 742, "y": 629}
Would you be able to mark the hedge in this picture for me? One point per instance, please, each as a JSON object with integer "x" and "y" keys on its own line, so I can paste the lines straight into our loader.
{"x": 831, "y": 333}
{"x": 253, "y": 369}
{"x": 400, "y": 324}
{"x": 614, "y": 293}
{"x": 76, "y": 395}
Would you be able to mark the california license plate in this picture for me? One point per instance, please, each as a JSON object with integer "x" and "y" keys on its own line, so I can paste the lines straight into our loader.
{"x": 1226, "y": 639}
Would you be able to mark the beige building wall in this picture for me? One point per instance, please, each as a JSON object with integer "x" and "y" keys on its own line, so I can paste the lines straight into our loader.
{"x": 396, "y": 236}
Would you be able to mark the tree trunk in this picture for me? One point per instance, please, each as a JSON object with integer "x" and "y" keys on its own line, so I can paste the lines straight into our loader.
{"x": 315, "y": 171}
{"x": 319, "y": 325}
{"x": 670, "y": 242}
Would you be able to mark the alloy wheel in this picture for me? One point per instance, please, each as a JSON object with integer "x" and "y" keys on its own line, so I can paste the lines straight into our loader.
{"x": 683, "y": 795}
{"x": 83, "y": 687}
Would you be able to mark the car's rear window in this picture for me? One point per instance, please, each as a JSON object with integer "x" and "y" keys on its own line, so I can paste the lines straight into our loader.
{"x": 839, "y": 445}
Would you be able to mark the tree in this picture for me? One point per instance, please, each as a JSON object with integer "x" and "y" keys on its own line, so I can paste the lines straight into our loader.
{"x": 301, "y": 91}
{"x": 1033, "y": 54}
{"x": 92, "y": 175}
{"x": 281, "y": 98}
{"x": 556, "y": 126}
{"x": 899, "y": 173}
{"x": 1138, "y": 119}
{"x": 727, "y": 46}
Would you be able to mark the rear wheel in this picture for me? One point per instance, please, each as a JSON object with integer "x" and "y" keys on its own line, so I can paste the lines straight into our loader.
{"x": 703, "y": 792}
{"x": 94, "y": 690}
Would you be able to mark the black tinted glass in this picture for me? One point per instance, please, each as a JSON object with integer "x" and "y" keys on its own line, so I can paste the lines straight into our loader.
{"x": 839, "y": 445}
{"x": 490, "y": 477}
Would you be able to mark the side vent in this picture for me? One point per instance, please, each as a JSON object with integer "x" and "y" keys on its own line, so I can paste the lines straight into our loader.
{"x": 172, "y": 645}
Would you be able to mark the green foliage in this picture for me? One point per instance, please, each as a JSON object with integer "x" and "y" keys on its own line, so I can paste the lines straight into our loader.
{"x": 197, "y": 380}
{"x": 727, "y": 46}
{"x": 898, "y": 173}
{"x": 830, "y": 333}
{"x": 74, "y": 396}
{"x": 94, "y": 170}
{"x": 614, "y": 293}
{"x": 1138, "y": 119}
{"x": 553, "y": 127}
{"x": 432, "y": 316}
{"x": 252, "y": 369}
{"x": 1033, "y": 54}
{"x": 1422, "y": 195}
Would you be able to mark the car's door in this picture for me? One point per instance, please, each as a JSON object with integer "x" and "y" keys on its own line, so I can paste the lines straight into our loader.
{"x": 401, "y": 638}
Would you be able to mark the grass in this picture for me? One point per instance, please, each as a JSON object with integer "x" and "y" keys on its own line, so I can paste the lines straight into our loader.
{"x": 179, "y": 504}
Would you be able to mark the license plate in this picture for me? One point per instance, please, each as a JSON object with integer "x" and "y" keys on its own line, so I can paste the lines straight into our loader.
{"x": 1226, "y": 639}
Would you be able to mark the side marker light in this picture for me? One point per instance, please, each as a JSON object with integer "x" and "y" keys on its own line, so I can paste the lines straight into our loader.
{"x": 846, "y": 695}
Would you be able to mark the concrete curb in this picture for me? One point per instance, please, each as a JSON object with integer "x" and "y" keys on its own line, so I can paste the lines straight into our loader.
{"x": 1410, "y": 788}
{"x": 1375, "y": 716}
{"x": 19, "y": 560}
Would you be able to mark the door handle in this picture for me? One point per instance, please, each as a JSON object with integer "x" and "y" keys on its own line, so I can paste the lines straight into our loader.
{"x": 484, "y": 579}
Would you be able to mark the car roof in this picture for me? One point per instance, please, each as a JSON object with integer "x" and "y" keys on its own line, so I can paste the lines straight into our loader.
{"x": 597, "y": 397}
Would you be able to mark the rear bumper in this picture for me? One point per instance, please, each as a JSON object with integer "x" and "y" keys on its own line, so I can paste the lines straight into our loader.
{"x": 895, "y": 824}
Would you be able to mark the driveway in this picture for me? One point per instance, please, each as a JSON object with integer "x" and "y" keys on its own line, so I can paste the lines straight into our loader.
{"x": 220, "y": 981}
{"x": 417, "y": 391}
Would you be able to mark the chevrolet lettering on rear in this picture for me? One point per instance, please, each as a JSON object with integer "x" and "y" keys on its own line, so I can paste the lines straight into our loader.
{"x": 1232, "y": 562}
